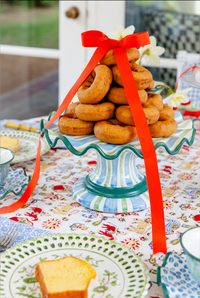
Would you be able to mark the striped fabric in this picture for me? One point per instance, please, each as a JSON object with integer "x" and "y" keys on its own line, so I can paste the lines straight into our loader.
{"x": 194, "y": 268}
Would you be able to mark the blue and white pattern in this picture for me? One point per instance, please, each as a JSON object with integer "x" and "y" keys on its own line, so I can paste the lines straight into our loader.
{"x": 15, "y": 182}
{"x": 26, "y": 232}
{"x": 119, "y": 186}
{"x": 175, "y": 278}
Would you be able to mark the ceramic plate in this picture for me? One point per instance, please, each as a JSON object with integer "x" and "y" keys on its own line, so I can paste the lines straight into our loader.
{"x": 120, "y": 273}
{"x": 175, "y": 278}
{"x": 28, "y": 144}
{"x": 15, "y": 182}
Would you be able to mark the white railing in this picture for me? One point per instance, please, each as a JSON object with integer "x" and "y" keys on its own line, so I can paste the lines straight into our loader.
{"x": 55, "y": 54}
{"x": 30, "y": 51}
{"x": 166, "y": 63}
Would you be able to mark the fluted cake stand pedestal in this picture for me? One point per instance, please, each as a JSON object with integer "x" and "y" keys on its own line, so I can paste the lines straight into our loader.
{"x": 115, "y": 185}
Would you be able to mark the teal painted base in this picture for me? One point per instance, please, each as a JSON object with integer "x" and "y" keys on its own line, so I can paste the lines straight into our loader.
{"x": 114, "y": 186}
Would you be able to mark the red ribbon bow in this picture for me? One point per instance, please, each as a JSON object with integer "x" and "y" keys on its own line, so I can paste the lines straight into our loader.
{"x": 104, "y": 44}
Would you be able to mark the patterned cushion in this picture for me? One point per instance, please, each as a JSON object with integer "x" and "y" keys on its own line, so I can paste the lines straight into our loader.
{"x": 173, "y": 31}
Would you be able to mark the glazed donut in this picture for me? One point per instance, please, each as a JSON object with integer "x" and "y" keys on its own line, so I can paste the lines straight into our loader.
{"x": 155, "y": 100}
{"x": 117, "y": 95}
{"x": 167, "y": 110}
{"x": 123, "y": 114}
{"x": 98, "y": 112}
{"x": 96, "y": 86}
{"x": 143, "y": 78}
{"x": 113, "y": 132}
{"x": 109, "y": 59}
{"x": 71, "y": 108}
{"x": 70, "y": 125}
{"x": 164, "y": 127}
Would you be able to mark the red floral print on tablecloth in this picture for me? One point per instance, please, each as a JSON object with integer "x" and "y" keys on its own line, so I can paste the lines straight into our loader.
{"x": 51, "y": 224}
{"x": 185, "y": 176}
{"x": 131, "y": 243}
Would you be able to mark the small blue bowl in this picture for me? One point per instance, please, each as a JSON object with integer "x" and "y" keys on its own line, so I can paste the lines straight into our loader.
{"x": 6, "y": 156}
{"x": 190, "y": 242}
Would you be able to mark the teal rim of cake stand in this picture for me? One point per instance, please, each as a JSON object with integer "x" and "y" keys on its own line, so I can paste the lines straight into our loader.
{"x": 115, "y": 192}
{"x": 67, "y": 143}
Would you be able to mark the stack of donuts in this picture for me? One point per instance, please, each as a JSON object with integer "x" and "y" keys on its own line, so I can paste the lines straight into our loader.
{"x": 103, "y": 108}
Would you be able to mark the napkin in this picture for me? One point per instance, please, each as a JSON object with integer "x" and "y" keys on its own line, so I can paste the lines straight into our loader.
{"x": 26, "y": 232}
{"x": 175, "y": 278}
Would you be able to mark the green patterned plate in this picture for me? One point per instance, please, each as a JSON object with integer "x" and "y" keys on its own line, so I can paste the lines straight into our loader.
{"x": 28, "y": 144}
{"x": 120, "y": 272}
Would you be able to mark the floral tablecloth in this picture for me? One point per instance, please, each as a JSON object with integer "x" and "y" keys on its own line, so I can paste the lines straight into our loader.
{"x": 53, "y": 209}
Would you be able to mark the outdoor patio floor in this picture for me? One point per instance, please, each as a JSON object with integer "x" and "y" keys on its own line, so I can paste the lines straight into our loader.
{"x": 34, "y": 99}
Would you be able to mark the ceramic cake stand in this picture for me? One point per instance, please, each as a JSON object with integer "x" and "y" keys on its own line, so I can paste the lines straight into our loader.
{"x": 116, "y": 185}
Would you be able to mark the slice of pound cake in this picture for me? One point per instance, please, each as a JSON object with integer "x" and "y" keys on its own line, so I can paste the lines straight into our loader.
{"x": 9, "y": 143}
{"x": 67, "y": 277}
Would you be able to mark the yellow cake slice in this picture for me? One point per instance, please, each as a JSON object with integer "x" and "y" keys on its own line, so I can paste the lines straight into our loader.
{"x": 67, "y": 277}
{"x": 9, "y": 143}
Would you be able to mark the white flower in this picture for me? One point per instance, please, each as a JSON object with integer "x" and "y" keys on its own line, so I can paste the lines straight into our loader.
{"x": 120, "y": 32}
{"x": 151, "y": 52}
{"x": 174, "y": 100}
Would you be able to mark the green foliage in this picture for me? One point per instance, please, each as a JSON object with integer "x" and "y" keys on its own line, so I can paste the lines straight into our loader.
{"x": 40, "y": 3}
{"x": 33, "y": 31}
{"x": 31, "y": 3}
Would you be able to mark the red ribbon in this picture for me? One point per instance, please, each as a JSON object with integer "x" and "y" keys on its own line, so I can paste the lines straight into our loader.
{"x": 192, "y": 113}
{"x": 104, "y": 44}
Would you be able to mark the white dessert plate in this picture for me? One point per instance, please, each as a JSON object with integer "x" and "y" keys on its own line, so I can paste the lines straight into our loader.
{"x": 28, "y": 144}
{"x": 120, "y": 272}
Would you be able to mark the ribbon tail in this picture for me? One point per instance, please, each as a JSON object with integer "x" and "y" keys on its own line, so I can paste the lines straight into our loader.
{"x": 97, "y": 56}
{"x": 30, "y": 188}
{"x": 148, "y": 150}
